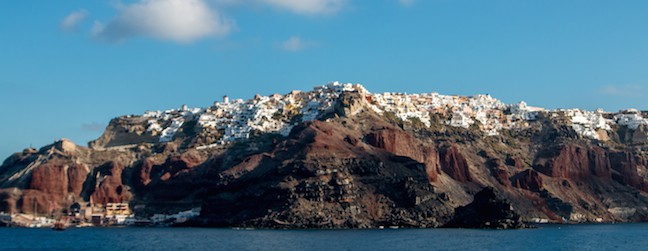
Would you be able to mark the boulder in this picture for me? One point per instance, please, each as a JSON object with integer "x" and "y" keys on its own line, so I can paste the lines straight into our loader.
{"x": 489, "y": 209}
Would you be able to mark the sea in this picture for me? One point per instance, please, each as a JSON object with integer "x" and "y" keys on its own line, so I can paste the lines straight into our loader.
{"x": 545, "y": 237}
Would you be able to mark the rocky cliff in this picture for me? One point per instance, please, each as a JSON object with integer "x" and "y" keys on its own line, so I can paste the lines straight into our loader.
{"x": 341, "y": 157}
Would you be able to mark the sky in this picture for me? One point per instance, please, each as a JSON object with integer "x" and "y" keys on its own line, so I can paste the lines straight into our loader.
{"x": 68, "y": 67}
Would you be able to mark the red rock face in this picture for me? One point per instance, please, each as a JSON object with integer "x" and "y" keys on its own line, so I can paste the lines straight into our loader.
{"x": 51, "y": 178}
{"x": 175, "y": 165}
{"x": 404, "y": 144}
{"x": 529, "y": 180}
{"x": 395, "y": 141}
{"x": 599, "y": 162}
{"x": 574, "y": 162}
{"x": 326, "y": 173}
{"x": 76, "y": 174}
{"x": 568, "y": 162}
{"x": 35, "y": 201}
{"x": 111, "y": 189}
{"x": 184, "y": 161}
{"x": 501, "y": 175}
{"x": 625, "y": 165}
{"x": 144, "y": 172}
{"x": 455, "y": 164}
{"x": 498, "y": 171}
{"x": 578, "y": 163}
{"x": 54, "y": 184}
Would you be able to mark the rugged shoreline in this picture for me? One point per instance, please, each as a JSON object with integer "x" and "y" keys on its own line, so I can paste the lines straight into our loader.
{"x": 340, "y": 157}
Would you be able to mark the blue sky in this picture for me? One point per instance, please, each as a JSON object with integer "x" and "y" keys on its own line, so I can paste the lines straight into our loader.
{"x": 68, "y": 67}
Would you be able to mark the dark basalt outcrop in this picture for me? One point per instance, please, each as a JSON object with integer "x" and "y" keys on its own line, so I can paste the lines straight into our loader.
{"x": 316, "y": 179}
{"x": 350, "y": 168}
{"x": 487, "y": 210}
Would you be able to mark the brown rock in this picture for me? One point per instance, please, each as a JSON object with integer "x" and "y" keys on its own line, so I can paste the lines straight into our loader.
{"x": 401, "y": 143}
{"x": 144, "y": 172}
{"x": 455, "y": 164}
{"x": 188, "y": 160}
{"x": 498, "y": 171}
{"x": 51, "y": 178}
{"x": 502, "y": 176}
{"x": 640, "y": 135}
{"x": 111, "y": 189}
{"x": 599, "y": 162}
{"x": 569, "y": 161}
{"x": 574, "y": 162}
{"x": 529, "y": 180}
{"x": 124, "y": 130}
{"x": 35, "y": 201}
{"x": 350, "y": 168}
{"x": 9, "y": 198}
{"x": 247, "y": 165}
{"x": 176, "y": 164}
{"x": 349, "y": 104}
{"x": 57, "y": 179}
{"x": 489, "y": 209}
{"x": 66, "y": 146}
{"x": 625, "y": 167}
{"x": 77, "y": 175}
{"x": 516, "y": 162}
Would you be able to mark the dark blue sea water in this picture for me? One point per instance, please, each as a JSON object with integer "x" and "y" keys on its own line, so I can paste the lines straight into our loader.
{"x": 550, "y": 237}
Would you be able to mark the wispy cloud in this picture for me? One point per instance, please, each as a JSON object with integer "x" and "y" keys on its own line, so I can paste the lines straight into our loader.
{"x": 406, "y": 2}
{"x": 93, "y": 127}
{"x": 309, "y": 7}
{"x": 628, "y": 91}
{"x": 295, "y": 43}
{"x": 181, "y": 21}
{"x": 72, "y": 20}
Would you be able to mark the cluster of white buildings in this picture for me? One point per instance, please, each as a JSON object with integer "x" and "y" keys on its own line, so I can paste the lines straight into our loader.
{"x": 460, "y": 111}
{"x": 238, "y": 119}
{"x": 587, "y": 123}
{"x": 630, "y": 118}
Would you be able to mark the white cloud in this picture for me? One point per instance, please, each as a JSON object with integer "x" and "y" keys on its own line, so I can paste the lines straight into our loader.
{"x": 97, "y": 28}
{"x": 295, "y": 43}
{"x": 181, "y": 21}
{"x": 628, "y": 91}
{"x": 309, "y": 7}
{"x": 406, "y": 2}
{"x": 73, "y": 19}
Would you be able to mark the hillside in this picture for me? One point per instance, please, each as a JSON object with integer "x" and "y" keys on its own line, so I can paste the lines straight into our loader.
{"x": 341, "y": 157}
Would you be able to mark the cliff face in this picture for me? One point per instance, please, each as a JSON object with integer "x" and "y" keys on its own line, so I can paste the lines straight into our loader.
{"x": 351, "y": 167}
{"x": 400, "y": 143}
{"x": 53, "y": 178}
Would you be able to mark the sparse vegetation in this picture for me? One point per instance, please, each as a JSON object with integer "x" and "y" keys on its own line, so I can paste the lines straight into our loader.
{"x": 277, "y": 115}
{"x": 391, "y": 117}
{"x": 416, "y": 122}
